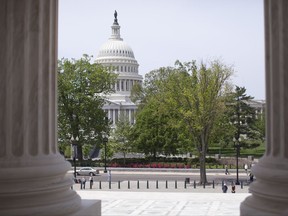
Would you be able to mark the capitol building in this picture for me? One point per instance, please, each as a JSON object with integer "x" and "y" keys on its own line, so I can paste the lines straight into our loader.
{"x": 118, "y": 54}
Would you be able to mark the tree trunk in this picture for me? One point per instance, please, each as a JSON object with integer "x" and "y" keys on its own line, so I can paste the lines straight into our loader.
{"x": 202, "y": 158}
{"x": 124, "y": 159}
{"x": 79, "y": 155}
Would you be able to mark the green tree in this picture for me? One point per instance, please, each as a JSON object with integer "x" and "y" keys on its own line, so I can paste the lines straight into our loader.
{"x": 121, "y": 136}
{"x": 196, "y": 94}
{"x": 222, "y": 131}
{"x": 154, "y": 131}
{"x": 81, "y": 89}
{"x": 260, "y": 127}
{"x": 242, "y": 115}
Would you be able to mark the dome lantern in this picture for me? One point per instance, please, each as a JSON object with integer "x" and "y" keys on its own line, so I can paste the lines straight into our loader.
{"x": 115, "y": 28}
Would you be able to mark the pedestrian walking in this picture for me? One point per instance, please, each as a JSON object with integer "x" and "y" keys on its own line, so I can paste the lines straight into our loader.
{"x": 251, "y": 177}
{"x": 246, "y": 168}
{"x": 109, "y": 175}
{"x": 226, "y": 169}
{"x": 233, "y": 187}
{"x": 91, "y": 181}
{"x": 83, "y": 182}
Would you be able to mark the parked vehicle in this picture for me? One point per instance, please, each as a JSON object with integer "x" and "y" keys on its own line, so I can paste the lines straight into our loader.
{"x": 87, "y": 171}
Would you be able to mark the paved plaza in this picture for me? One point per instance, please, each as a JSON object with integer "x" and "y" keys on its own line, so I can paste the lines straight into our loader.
{"x": 169, "y": 202}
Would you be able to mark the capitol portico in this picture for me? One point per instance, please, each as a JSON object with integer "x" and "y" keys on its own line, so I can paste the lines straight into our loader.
{"x": 119, "y": 55}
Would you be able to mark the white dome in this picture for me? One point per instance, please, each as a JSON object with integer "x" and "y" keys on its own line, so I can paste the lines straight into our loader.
{"x": 115, "y": 48}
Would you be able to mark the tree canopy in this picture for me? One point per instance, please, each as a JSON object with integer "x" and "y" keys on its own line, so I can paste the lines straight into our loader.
{"x": 82, "y": 86}
{"x": 192, "y": 96}
{"x": 242, "y": 113}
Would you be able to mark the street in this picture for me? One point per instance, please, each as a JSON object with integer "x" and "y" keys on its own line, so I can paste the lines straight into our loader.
{"x": 217, "y": 176}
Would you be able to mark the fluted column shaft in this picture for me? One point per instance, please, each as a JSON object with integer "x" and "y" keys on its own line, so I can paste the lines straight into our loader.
{"x": 32, "y": 172}
{"x": 270, "y": 191}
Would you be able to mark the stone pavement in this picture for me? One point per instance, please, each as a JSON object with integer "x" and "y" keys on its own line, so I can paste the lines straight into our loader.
{"x": 116, "y": 203}
{"x": 170, "y": 202}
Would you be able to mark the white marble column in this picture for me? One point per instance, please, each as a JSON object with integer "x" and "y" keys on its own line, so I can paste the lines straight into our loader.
{"x": 130, "y": 86}
{"x": 114, "y": 116}
{"x": 33, "y": 178}
{"x": 270, "y": 190}
{"x": 129, "y": 115}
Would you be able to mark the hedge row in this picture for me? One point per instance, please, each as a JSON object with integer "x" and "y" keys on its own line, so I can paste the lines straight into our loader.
{"x": 148, "y": 162}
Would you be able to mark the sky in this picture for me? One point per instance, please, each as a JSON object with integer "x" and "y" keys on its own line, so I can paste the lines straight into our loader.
{"x": 163, "y": 31}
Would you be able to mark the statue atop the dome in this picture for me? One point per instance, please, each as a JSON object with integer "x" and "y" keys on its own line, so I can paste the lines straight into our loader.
{"x": 115, "y": 14}
{"x": 115, "y": 17}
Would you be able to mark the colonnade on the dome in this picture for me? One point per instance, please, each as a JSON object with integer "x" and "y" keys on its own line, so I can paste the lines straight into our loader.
{"x": 129, "y": 69}
{"x": 114, "y": 114}
{"x": 125, "y": 84}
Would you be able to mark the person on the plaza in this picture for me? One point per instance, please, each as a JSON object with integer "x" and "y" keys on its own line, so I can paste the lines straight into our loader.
{"x": 233, "y": 187}
{"x": 83, "y": 182}
{"x": 226, "y": 169}
{"x": 91, "y": 181}
{"x": 246, "y": 168}
{"x": 109, "y": 175}
{"x": 224, "y": 188}
{"x": 251, "y": 177}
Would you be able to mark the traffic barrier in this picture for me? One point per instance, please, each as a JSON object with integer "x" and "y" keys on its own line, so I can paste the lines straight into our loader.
{"x": 159, "y": 184}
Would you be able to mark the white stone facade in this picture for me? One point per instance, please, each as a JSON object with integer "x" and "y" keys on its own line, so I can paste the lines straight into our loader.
{"x": 118, "y": 54}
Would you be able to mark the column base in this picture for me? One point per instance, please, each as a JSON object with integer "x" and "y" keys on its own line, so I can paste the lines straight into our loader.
{"x": 269, "y": 191}
{"x": 37, "y": 186}
{"x": 258, "y": 207}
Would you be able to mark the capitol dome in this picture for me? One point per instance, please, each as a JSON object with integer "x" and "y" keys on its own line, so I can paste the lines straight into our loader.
{"x": 115, "y": 52}
{"x": 118, "y": 54}
{"x": 115, "y": 48}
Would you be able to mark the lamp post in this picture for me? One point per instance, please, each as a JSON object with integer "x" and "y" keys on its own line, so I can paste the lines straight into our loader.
{"x": 237, "y": 145}
{"x": 74, "y": 145}
{"x": 105, "y": 140}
